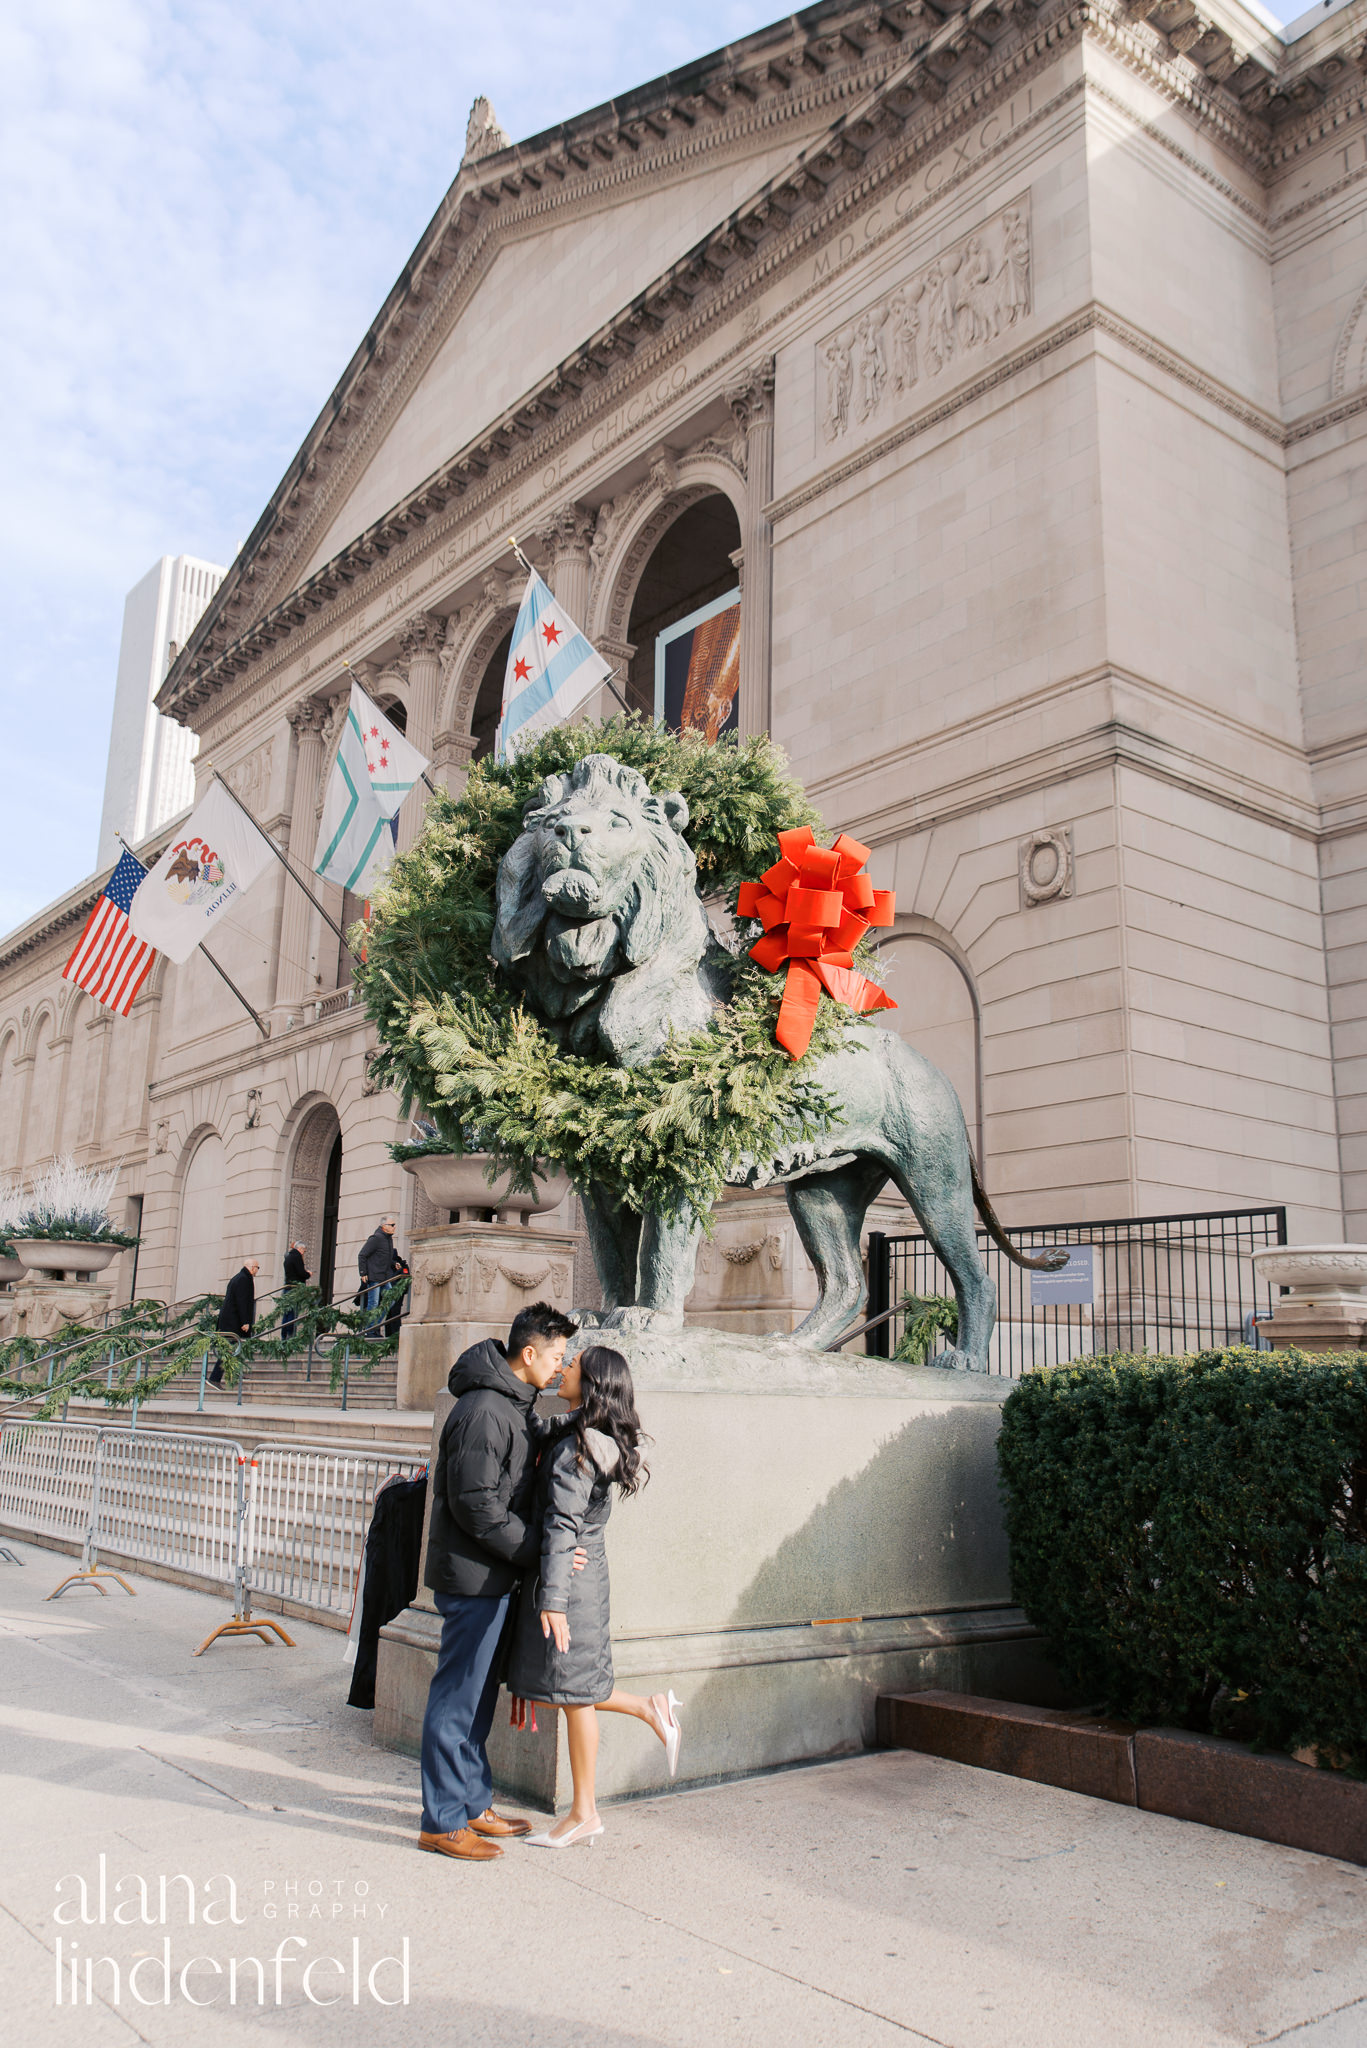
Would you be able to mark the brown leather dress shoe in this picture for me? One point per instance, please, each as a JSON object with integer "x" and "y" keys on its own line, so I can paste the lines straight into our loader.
{"x": 460, "y": 1842}
{"x": 498, "y": 1824}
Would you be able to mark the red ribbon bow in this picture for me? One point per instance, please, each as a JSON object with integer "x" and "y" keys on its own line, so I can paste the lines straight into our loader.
{"x": 815, "y": 904}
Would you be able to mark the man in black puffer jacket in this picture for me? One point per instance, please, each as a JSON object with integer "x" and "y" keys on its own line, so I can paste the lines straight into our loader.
{"x": 484, "y": 1535}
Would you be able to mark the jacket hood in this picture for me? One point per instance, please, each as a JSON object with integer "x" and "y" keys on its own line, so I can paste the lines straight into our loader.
{"x": 486, "y": 1365}
{"x": 603, "y": 1451}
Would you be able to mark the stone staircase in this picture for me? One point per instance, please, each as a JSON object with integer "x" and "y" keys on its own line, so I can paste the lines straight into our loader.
{"x": 291, "y": 1385}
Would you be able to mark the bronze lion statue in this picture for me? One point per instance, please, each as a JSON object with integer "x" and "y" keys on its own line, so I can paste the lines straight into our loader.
{"x": 600, "y": 926}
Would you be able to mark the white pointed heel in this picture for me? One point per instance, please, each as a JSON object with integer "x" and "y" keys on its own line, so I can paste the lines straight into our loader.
{"x": 673, "y": 1733}
{"x": 586, "y": 1832}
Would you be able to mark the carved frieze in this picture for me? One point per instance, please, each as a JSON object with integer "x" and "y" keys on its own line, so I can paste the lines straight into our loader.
{"x": 957, "y": 304}
{"x": 250, "y": 777}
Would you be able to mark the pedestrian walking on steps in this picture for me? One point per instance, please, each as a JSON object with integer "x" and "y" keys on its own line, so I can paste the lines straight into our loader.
{"x": 562, "y": 1648}
{"x": 483, "y": 1536}
{"x": 296, "y": 1275}
{"x": 238, "y": 1313}
{"x": 377, "y": 1260}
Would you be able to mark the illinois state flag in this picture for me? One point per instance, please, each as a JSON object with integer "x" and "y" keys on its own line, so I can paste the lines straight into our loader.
{"x": 212, "y": 860}
{"x": 372, "y": 774}
{"x": 551, "y": 670}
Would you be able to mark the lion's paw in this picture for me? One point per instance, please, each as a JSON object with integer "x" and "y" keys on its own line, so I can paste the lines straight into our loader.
{"x": 641, "y": 1319}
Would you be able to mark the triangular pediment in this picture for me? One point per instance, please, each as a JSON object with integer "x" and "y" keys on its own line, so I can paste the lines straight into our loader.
{"x": 539, "y": 292}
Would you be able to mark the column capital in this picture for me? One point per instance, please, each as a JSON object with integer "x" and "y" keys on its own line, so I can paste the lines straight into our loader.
{"x": 422, "y": 633}
{"x": 751, "y": 396}
{"x": 569, "y": 531}
{"x": 308, "y": 715}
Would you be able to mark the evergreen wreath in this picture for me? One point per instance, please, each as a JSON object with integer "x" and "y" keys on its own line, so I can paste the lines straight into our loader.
{"x": 458, "y": 1044}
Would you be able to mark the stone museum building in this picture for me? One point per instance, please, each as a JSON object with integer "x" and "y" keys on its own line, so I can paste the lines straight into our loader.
{"x": 1005, "y": 365}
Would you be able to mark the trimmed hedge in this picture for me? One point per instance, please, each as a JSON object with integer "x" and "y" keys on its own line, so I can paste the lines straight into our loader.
{"x": 1190, "y": 1535}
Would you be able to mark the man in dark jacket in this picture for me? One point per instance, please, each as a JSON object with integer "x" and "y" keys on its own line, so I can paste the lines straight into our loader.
{"x": 484, "y": 1535}
{"x": 378, "y": 1263}
{"x": 296, "y": 1275}
{"x": 238, "y": 1312}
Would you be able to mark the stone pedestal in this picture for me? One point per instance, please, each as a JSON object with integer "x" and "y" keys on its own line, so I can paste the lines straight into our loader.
{"x": 1325, "y": 1307}
{"x": 469, "y": 1281}
{"x": 753, "y": 1276}
{"x": 1316, "y": 1326}
{"x": 815, "y": 1531}
{"x": 46, "y": 1308}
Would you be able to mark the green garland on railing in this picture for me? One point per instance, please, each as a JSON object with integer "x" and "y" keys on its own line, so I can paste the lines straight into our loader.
{"x": 455, "y": 1040}
{"x": 95, "y": 1362}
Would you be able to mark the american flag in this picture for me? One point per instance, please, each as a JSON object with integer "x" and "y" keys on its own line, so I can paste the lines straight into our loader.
{"x": 109, "y": 963}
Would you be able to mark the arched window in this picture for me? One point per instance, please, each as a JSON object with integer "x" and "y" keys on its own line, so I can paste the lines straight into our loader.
{"x": 489, "y": 698}
{"x": 685, "y": 622}
{"x": 202, "y": 1257}
{"x": 938, "y": 1012}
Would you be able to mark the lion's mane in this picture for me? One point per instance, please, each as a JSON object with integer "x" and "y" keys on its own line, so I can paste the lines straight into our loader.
{"x": 562, "y": 967}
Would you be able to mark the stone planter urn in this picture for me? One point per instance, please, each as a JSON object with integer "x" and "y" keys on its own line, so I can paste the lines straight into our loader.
{"x": 1326, "y": 1308}
{"x": 11, "y": 1270}
{"x": 456, "y": 1182}
{"x": 52, "y": 1255}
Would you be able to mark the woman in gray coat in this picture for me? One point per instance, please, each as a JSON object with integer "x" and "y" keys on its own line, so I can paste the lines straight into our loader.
{"x": 562, "y": 1648}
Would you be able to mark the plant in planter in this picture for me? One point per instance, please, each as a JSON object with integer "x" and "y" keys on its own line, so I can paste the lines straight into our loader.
{"x": 10, "y": 1267}
{"x": 62, "y": 1224}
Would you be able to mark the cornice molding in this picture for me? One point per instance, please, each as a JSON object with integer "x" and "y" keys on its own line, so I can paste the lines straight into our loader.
{"x": 1110, "y": 742}
{"x": 1090, "y": 320}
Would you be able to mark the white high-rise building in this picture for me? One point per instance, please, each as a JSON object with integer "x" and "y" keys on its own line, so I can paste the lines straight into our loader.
{"x": 150, "y": 777}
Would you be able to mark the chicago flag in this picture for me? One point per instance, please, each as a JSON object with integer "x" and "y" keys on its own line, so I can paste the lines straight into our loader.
{"x": 551, "y": 670}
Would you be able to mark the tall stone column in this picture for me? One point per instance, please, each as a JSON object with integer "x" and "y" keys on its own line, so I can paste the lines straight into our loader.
{"x": 420, "y": 641}
{"x": 751, "y": 399}
{"x": 568, "y": 538}
{"x": 294, "y": 975}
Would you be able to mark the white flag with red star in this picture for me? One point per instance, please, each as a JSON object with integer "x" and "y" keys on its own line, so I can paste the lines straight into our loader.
{"x": 551, "y": 671}
{"x": 374, "y": 770}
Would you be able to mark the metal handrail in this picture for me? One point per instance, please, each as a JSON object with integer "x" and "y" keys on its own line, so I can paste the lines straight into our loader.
{"x": 129, "y": 1358}
{"x": 874, "y": 1323}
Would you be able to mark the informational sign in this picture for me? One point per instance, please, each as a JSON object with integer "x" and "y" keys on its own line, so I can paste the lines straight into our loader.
{"x": 1072, "y": 1285}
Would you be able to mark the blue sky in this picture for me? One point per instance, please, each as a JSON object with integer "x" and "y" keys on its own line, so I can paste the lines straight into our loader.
{"x": 206, "y": 204}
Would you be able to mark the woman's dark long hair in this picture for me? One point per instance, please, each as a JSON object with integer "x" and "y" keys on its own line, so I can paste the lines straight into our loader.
{"x": 607, "y": 1402}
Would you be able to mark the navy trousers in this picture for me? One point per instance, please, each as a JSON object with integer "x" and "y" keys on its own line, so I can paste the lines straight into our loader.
{"x": 456, "y": 1785}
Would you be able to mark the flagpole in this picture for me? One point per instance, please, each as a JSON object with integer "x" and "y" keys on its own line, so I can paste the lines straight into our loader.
{"x": 263, "y": 1028}
{"x": 607, "y": 679}
{"x": 285, "y": 864}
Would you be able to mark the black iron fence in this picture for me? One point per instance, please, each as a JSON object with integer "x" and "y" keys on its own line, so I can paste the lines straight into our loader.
{"x": 1157, "y": 1283}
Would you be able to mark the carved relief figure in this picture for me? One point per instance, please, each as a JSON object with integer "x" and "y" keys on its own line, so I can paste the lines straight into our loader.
{"x": 906, "y": 325}
{"x": 873, "y": 365}
{"x": 963, "y": 299}
{"x": 1013, "y": 301}
{"x": 839, "y": 384}
{"x": 975, "y": 298}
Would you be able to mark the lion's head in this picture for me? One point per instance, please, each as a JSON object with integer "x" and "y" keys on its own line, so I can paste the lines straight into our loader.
{"x": 599, "y": 880}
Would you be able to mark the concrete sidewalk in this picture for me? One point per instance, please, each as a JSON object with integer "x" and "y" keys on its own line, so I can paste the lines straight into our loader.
{"x": 888, "y": 1898}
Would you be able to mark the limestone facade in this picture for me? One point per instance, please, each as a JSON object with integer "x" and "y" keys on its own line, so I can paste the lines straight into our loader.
{"x": 1012, "y": 358}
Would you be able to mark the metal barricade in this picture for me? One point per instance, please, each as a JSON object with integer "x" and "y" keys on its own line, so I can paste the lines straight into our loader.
{"x": 170, "y": 1499}
{"x": 312, "y": 1509}
{"x": 46, "y": 1474}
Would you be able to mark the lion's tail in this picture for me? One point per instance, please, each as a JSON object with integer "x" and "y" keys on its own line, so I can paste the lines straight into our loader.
{"x": 1048, "y": 1261}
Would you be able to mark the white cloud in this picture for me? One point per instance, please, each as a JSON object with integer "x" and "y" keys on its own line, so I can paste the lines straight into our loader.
{"x": 207, "y": 200}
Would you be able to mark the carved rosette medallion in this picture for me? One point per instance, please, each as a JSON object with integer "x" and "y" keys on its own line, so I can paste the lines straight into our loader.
{"x": 1046, "y": 866}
